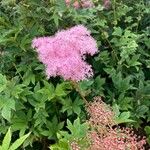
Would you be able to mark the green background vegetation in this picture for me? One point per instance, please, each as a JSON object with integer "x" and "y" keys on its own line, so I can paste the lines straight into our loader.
{"x": 31, "y": 103}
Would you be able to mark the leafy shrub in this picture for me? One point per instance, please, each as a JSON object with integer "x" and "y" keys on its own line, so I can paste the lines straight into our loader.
{"x": 31, "y": 103}
{"x": 99, "y": 133}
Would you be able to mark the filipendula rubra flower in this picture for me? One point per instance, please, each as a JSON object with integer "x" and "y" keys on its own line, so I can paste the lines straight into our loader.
{"x": 106, "y": 3}
{"x": 116, "y": 139}
{"x": 64, "y": 53}
{"x": 100, "y": 113}
{"x": 103, "y": 134}
{"x": 83, "y": 3}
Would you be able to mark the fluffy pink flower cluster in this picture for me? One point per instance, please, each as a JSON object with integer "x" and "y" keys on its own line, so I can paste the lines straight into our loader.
{"x": 106, "y": 3}
{"x": 64, "y": 53}
{"x": 74, "y": 146}
{"x": 116, "y": 139}
{"x": 103, "y": 136}
{"x": 100, "y": 113}
{"x": 83, "y": 3}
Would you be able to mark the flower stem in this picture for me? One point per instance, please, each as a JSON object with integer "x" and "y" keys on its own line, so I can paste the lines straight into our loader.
{"x": 77, "y": 88}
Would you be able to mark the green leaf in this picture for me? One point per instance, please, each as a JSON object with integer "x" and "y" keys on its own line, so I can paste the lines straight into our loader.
{"x": 141, "y": 110}
{"x": 117, "y": 31}
{"x": 16, "y": 90}
{"x": 77, "y": 105}
{"x": 61, "y": 145}
{"x": 19, "y": 121}
{"x": 53, "y": 127}
{"x": 77, "y": 129}
{"x": 6, "y": 140}
{"x": 8, "y": 2}
{"x": 120, "y": 83}
{"x": 47, "y": 92}
{"x": 62, "y": 89}
{"x": 4, "y": 22}
{"x": 28, "y": 77}
{"x": 6, "y": 104}
{"x": 71, "y": 107}
{"x": 123, "y": 118}
{"x": 3, "y": 82}
{"x": 84, "y": 85}
{"x": 147, "y": 130}
{"x": 67, "y": 106}
{"x": 98, "y": 86}
{"x": 6, "y": 113}
{"x": 116, "y": 110}
{"x": 18, "y": 142}
{"x": 148, "y": 139}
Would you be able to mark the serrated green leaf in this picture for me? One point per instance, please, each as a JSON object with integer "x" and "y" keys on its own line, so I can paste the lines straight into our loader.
{"x": 115, "y": 108}
{"x": 62, "y": 145}
{"x": 6, "y": 113}
{"x": 117, "y": 31}
{"x": 6, "y": 140}
{"x": 147, "y": 130}
{"x": 141, "y": 110}
{"x": 7, "y": 106}
{"x": 123, "y": 118}
{"x": 3, "y": 82}
{"x": 18, "y": 142}
{"x": 63, "y": 89}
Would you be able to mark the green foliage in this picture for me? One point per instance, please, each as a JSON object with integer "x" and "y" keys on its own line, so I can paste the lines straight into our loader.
{"x": 123, "y": 117}
{"x": 71, "y": 107}
{"x": 77, "y": 131}
{"x": 30, "y": 102}
{"x": 6, "y": 143}
{"x": 147, "y": 130}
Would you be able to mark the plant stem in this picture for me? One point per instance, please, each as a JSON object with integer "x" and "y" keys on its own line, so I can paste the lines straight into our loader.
{"x": 114, "y": 11}
{"x": 77, "y": 88}
{"x": 17, "y": 71}
{"x": 109, "y": 44}
{"x": 140, "y": 14}
{"x": 45, "y": 145}
{"x": 112, "y": 49}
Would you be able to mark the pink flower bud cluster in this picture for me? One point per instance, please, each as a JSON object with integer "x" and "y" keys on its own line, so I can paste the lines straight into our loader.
{"x": 74, "y": 146}
{"x": 103, "y": 136}
{"x": 116, "y": 139}
{"x": 106, "y": 3}
{"x": 100, "y": 113}
{"x": 64, "y": 53}
{"x": 83, "y": 3}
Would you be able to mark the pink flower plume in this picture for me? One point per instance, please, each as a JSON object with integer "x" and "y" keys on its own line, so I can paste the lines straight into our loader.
{"x": 82, "y": 3}
{"x": 64, "y": 53}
